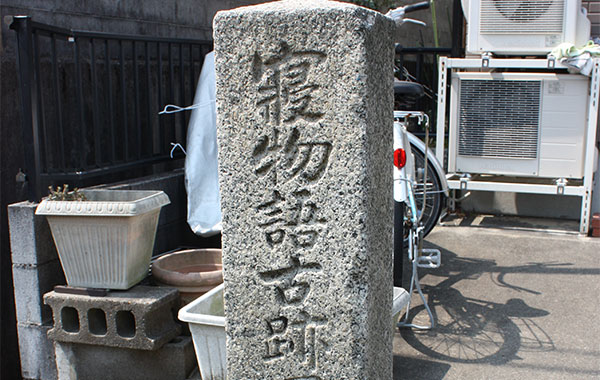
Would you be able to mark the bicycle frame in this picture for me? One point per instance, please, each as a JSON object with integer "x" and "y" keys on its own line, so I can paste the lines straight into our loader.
{"x": 403, "y": 140}
{"x": 404, "y": 186}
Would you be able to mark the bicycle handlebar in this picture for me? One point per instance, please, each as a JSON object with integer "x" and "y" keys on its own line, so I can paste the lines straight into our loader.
{"x": 416, "y": 7}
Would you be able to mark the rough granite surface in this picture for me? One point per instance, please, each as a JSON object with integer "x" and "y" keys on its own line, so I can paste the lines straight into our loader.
{"x": 304, "y": 114}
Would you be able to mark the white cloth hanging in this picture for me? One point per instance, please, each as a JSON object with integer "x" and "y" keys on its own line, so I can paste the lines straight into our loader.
{"x": 201, "y": 171}
{"x": 578, "y": 59}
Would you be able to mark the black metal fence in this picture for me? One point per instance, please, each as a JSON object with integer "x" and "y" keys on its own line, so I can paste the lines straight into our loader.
{"x": 420, "y": 64}
{"x": 90, "y": 102}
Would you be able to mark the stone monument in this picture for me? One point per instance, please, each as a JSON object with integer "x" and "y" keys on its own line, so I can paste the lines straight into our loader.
{"x": 304, "y": 115}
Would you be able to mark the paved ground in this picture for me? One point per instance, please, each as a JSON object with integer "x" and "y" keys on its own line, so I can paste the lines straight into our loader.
{"x": 521, "y": 302}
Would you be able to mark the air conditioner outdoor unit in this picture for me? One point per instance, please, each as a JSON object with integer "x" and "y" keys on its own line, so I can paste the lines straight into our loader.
{"x": 518, "y": 124}
{"x": 524, "y": 27}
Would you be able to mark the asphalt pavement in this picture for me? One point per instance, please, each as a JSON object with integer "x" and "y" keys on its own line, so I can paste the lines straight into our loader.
{"x": 514, "y": 298}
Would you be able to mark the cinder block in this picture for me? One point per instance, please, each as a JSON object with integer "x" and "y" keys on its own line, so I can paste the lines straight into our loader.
{"x": 36, "y": 352}
{"x": 31, "y": 282}
{"x": 174, "y": 361}
{"x": 30, "y": 237}
{"x": 140, "y": 318}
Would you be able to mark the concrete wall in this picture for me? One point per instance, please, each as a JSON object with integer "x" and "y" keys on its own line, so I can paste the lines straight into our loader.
{"x": 532, "y": 205}
{"x": 172, "y": 230}
{"x": 177, "y": 18}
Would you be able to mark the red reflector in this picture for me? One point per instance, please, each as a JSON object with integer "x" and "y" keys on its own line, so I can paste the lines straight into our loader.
{"x": 399, "y": 158}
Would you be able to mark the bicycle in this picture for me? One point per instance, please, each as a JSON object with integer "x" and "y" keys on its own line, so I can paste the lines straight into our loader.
{"x": 419, "y": 188}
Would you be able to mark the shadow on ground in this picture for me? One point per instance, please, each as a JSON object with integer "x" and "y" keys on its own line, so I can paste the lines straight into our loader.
{"x": 413, "y": 369}
{"x": 471, "y": 330}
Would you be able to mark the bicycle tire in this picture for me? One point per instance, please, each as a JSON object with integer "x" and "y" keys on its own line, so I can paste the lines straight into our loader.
{"x": 434, "y": 196}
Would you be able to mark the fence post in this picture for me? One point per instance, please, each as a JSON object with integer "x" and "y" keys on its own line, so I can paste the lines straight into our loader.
{"x": 457, "y": 29}
{"x": 29, "y": 106}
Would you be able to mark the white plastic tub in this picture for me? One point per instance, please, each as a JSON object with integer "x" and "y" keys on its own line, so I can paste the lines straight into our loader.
{"x": 401, "y": 298}
{"x": 206, "y": 319}
{"x": 105, "y": 241}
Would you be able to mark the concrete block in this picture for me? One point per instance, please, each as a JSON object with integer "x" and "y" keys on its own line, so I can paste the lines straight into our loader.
{"x": 174, "y": 361}
{"x": 304, "y": 98}
{"x": 189, "y": 13}
{"x": 30, "y": 237}
{"x": 31, "y": 283}
{"x": 172, "y": 184}
{"x": 140, "y": 318}
{"x": 173, "y": 217}
{"x": 195, "y": 375}
{"x": 168, "y": 234}
{"x": 36, "y": 352}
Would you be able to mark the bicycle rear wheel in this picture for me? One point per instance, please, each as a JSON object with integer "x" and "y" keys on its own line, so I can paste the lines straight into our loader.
{"x": 434, "y": 196}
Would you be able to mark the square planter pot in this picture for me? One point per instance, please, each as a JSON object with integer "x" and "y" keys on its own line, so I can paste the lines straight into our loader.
{"x": 105, "y": 241}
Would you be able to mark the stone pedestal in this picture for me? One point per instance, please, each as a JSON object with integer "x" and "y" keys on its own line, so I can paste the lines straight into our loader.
{"x": 304, "y": 100}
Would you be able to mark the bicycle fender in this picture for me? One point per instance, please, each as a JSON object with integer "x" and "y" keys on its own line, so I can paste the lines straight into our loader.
{"x": 420, "y": 145}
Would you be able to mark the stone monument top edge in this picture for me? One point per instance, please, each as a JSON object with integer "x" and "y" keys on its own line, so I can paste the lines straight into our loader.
{"x": 296, "y": 5}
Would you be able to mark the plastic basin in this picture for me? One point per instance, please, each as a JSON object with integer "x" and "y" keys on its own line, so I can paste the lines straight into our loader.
{"x": 205, "y": 317}
{"x": 193, "y": 271}
{"x": 206, "y": 320}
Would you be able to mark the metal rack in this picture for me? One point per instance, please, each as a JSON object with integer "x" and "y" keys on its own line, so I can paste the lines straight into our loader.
{"x": 580, "y": 187}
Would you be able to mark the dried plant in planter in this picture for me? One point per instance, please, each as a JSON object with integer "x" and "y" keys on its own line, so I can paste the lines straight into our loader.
{"x": 63, "y": 194}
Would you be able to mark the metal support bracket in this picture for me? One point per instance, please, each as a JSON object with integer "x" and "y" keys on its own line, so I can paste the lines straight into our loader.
{"x": 21, "y": 177}
{"x": 452, "y": 201}
{"x": 464, "y": 181}
{"x": 560, "y": 186}
{"x": 485, "y": 61}
{"x": 551, "y": 62}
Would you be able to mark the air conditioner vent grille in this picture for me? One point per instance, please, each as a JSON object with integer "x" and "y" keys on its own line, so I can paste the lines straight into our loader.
{"x": 521, "y": 16}
{"x": 499, "y": 118}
